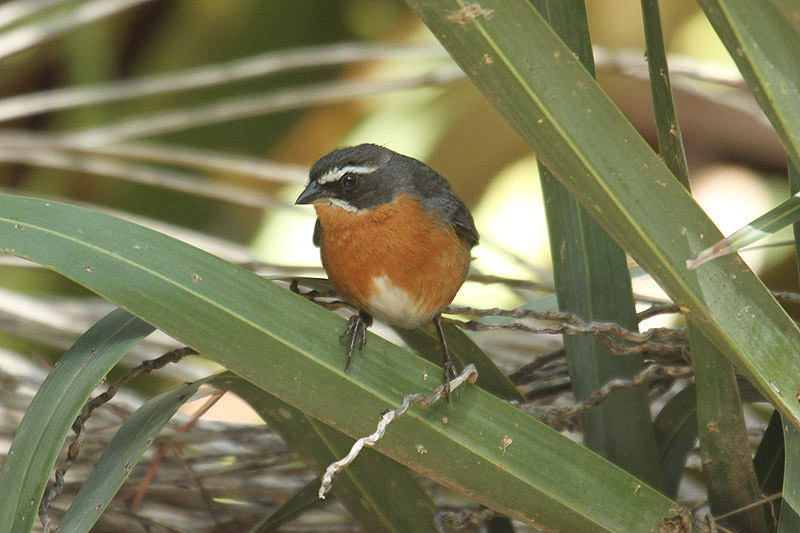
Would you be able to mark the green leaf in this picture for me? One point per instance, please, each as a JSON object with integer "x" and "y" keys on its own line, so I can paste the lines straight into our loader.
{"x": 727, "y": 464}
{"x": 53, "y": 410}
{"x": 670, "y": 138}
{"x": 794, "y": 188}
{"x": 580, "y": 135}
{"x": 676, "y": 433}
{"x": 592, "y": 280}
{"x": 124, "y": 451}
{"x": 288, "y": 346}
{"x": 790, "y": 509}
{"x": 769, "y": 458}
{"x": 392, "y": 501}
{"x": 777, "y": 218}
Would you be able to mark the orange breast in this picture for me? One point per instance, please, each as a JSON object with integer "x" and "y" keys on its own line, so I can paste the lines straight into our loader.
{"x": 394, "y": 261}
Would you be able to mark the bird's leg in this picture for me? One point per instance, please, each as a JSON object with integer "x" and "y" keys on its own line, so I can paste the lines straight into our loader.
{"x": 447, "y": 363}
{"x": 356, "y": 327}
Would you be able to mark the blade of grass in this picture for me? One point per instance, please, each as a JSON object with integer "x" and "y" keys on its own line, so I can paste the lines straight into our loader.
{"x": 124, "y": 451}
{"x": 676, "y": 433}
{"x": 725, "y": 493}
{"x": 789, "y": 519}
{"x": 593, "y": 150}
{"x": 727, "y": 463}
{"x": 790, "y": 507}
{"x": 59, "y": 400}
{"x": 391, "y": 501}
{"x": 769, "y": 457}
{"x": 794, "y": 188}
{"x": 592, "y": 280}
{"x": 777, "y": 218}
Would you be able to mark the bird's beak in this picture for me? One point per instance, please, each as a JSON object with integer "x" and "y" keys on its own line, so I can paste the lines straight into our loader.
{"x": 311, "y": 194}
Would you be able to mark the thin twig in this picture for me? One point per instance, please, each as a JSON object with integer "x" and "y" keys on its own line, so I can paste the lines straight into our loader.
{"x": 599, "y": 330}
{"x": 650, "y": 341}
{"x": 315, "y": 295}
{"x": 525, "y": 374}
{"x": 659, "y": 308}
{"x": 423, "y": 400}
{"x": 757, "y": 503}
{"x": 563, "y": 418}
{"x": 79, "y": 426}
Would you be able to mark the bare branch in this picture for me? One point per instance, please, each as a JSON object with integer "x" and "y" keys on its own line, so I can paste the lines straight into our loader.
{"x": 423, "y": 400}
{"x": 561, "y": 419}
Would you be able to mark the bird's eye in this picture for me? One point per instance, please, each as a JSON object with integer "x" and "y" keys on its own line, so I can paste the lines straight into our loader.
{"x": 349, "y": 181}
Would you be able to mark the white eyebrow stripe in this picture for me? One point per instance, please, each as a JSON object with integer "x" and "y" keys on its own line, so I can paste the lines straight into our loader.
{"x": 335, "y": 174}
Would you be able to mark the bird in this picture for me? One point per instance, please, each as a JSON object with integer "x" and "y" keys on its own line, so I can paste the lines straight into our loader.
{"x": 395, "y": 240}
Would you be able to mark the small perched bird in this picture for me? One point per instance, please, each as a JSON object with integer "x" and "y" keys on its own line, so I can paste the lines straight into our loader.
{"x": 394, "y": 239}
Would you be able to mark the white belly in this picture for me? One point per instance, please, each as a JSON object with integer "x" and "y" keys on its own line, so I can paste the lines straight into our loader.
{"x": 393, "y": 305}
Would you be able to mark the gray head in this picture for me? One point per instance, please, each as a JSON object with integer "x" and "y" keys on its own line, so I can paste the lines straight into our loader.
{"x": 355, "y": 178}
{"x": 362, "y": 177}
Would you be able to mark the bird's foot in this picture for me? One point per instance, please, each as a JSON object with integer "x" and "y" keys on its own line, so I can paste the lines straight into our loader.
{"x": 356, "y": 328}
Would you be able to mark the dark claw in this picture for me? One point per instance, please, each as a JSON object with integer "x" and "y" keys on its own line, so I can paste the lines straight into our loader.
{"x": 447, "y": 364}
{"x": 449, "y": 374}
{"x": 356, "y": 328}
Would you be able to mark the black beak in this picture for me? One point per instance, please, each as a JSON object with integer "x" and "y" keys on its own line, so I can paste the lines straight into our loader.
{"x": 311, "y": 194}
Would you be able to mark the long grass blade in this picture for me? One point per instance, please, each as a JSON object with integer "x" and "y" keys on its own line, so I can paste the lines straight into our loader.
{"x": 788, "y": 212}
{"x": 716, "y": 375}
{"x": 59, "y": 400}
{"x": 790, "y": 508}
{"x": 592, "y": 281}
{"x": 124, "y": 451}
